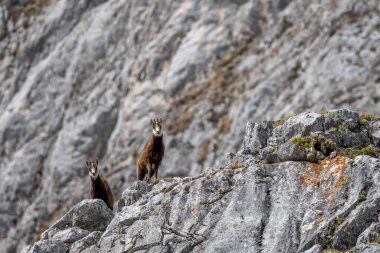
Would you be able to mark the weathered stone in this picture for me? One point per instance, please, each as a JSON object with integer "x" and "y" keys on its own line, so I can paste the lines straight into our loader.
{"x": 81, "y": 79}
{"x": 243, "y": 206}
{"x": 315, "y": 249}
{"x": 257, "y": 135}
{"x": 375, "y": 132}
{"x": 70, "y": 235}
{"x": 368, "y": 241}
{"x": 48, "y": 246}
{"x": 91, "y": 215}
{"x": 303, "y": 124}
{"x": 84, "y": 243}
{"x": 133, "y": 194}
{"x": 291, "y": 152}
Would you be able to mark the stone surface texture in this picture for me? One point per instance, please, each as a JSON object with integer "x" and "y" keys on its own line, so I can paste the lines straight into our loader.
{"x": 244, "y": 205}
{"x": 80, "y": 79}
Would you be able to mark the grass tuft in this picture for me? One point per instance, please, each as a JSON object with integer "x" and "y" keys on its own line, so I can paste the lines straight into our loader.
{"x": 368, "y": 117}
{"x": 235, "y": 165}
{"x": 338, "y": 221}
{"x": 362, "y": 197}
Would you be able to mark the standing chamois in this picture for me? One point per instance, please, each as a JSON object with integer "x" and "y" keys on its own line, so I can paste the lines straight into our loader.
{"x": 99, "y": 188}
{"x": 151, "y": 156}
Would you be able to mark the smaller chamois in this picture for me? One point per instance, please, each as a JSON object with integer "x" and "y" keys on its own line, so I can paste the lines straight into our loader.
{"x": 151, "y": 156}
{"x": 99, "y": 188}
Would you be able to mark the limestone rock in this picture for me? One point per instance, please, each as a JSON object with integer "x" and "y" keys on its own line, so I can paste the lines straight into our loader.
{"x": 243, "y": 206}
{"x": 81, "y": 79}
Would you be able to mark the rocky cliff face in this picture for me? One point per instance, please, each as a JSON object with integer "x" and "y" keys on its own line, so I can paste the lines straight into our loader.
{"x": 80, "y": 79}
{"x": 245, "y": 205}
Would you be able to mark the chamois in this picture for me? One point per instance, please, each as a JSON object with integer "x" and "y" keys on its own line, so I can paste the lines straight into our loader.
{"x": 151, "y": 156}
{"x": 99, "y": 188}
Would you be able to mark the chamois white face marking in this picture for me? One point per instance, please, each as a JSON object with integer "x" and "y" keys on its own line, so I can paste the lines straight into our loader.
{"x": 92, "y": 167}
{"x": 157, "y": 127}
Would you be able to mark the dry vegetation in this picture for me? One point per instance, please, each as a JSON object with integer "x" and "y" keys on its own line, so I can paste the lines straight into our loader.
{"x": 203, "y": 151}
{"x": 29, "y": 9}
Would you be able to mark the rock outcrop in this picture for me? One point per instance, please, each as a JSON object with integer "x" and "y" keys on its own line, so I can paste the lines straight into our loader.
{"x": 246, "y": 205}
{"x": 80, "y": 79}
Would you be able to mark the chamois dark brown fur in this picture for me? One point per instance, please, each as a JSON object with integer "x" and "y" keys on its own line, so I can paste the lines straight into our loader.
{"x": 150, "y": 158}
{"x": 99, "y": 188}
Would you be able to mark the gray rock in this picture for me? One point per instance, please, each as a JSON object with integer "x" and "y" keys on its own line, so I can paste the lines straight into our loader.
{"x": 315, "y": 249}
{"x": 291, "y": 152}
{"x": 242, "y": 206}
{"x": 70, "y": 235}
{"x": 81, "y": 79}
{"x": 375, "y": 132}
{"x": 86, "y": 242}
{"x": 368, "y": 241}
{"x": 47, "y": 246}
{"x": 133, "y": 194}
{"x": 90, "y": 215}
{"x": 302, "y": 125}
{"x": 257, "y": 135}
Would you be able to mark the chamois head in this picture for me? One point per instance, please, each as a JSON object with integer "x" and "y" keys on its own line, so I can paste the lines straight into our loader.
{"x": 92, "y": 167}
{"x": 157, "y": 127}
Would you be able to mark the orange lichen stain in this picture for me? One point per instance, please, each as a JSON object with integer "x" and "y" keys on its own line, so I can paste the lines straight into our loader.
{"x": 329, "y": 174}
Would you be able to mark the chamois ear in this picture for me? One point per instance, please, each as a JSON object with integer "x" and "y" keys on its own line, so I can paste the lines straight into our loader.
{"x": 96, "y": 161}
{"x": 87, "y": 163}
{"x": 160, "y": 120}
{"x": 152, "y": 122}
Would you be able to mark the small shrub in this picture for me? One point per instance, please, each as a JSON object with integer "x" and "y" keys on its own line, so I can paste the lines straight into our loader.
{"x": 374, "y": 239}
{"x": 367, "y": 151}
{"x": 341, "y": 127}
{"x": 319, "y": 142}
{"x": 328, "y": 113}
{"x": 203, "y": 151}
{"x": 368, "y": 117}
{"x": 297, "y": 140}
{"x": 278, "y": 123}
{"x": 282, "y": 121}
{"x": 289, "y": 116}
{"x": 349, "y": 152}
{"x": 361, "y": 122}
{"x": 272, "y": 150}
{"x": 362, "y": 197}
{"x": 332, "y": 251}
{"x": 338, "y": 221}
{"x": 235, "y": 165}
{"x": 352, "y": 152}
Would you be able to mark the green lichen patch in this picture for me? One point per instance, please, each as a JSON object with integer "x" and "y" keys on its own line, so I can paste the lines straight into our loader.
{"x": 319, "y": 142}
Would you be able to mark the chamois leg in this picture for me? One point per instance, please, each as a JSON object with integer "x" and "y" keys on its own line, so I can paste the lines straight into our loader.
{"x": 140, "y": 173}
{"x": 149, "y": 171}
{"x": 153, "y": 172}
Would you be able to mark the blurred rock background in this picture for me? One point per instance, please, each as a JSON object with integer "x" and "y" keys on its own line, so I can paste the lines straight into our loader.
{"x": 81, "y": 79}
